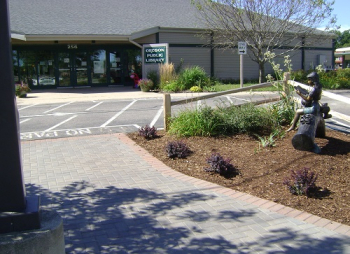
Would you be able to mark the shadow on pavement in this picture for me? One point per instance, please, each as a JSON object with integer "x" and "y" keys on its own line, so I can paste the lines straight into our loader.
{"x": 112, "y": 220}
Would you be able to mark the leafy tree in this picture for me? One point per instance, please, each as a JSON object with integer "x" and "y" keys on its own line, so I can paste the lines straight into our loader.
{"x": 265, "y": 25}
{"x": 343, "y": 39}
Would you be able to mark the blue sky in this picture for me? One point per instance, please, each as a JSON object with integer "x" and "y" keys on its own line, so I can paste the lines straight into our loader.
{"x": 341, "y": 9}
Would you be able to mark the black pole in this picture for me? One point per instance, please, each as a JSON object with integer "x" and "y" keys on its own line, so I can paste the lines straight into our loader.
{"x": 12, "y": 191}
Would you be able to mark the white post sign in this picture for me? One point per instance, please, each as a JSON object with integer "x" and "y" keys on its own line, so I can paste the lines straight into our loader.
{"x": 242, "y": 50}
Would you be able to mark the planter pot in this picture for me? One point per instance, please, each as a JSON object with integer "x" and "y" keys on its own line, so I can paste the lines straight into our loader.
{"x": 22, "y": 95}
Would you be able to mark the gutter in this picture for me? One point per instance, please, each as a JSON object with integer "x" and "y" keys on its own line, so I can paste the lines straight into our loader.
{"x": 135, "y": 43}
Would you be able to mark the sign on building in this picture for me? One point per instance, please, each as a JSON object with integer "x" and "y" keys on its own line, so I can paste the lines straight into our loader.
{"x": 153, "y": 55}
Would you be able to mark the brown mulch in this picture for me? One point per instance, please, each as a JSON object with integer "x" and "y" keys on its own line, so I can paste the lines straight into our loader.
{"x": 263, "y": 170}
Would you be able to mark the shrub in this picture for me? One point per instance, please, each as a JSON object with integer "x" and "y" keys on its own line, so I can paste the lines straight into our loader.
{"x": 173, "y": 86}
{"x": 204, "y": 121}
{"x": 146, "y": 85}
{"x": 177, "y": 149}
{"x": 194, "y": 76}
{"x": 246, "y": 119}
{"x": 148, "y": 132}
{"x": 153, "y": 75}
{"x": 301, "y": 182}
{"x": 220, "y": 165}
{"x": 196, "y": 89}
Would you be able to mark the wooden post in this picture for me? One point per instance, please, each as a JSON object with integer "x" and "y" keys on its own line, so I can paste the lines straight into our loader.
{"x": 167, "y": 110}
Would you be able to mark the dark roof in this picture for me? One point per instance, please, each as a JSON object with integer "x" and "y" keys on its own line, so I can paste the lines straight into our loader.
{"x": 99, "y": 17}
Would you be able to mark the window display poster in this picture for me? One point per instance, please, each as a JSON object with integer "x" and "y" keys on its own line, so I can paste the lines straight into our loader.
{"x": 99, "y": 67}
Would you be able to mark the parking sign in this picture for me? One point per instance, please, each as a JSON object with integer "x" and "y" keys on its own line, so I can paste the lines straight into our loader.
{"x": 242, "y": 48}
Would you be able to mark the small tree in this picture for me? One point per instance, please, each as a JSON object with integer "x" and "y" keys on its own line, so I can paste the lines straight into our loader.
{"x": 265, "y": 25}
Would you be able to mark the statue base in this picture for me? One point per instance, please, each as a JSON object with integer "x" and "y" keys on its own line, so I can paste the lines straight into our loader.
{"x": 49, "y": 239}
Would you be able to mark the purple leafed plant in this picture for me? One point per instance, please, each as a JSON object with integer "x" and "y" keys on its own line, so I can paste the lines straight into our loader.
{"x": 301, "y": 182}
{"x": 177, "y": 149}
{"x": 148, "y": 132}
{"x": 220, "y": 165}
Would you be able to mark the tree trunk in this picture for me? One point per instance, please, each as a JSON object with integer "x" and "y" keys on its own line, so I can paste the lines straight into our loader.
{"x": 261, "y": 72}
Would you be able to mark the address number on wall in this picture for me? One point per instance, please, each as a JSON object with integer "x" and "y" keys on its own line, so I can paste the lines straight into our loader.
{"x": 72, "y": 46}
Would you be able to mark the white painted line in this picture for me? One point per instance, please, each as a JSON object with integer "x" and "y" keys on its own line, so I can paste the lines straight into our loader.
{"x": 155, "y": 119}
{"x": 240, "y": 99}
{"x": 58, "y": 107}
{"x": 25, "y": 120}
{"x": 229, "y": 99}
{"x": 27, "y": 107}
{"x": 53, "y": 127}
{"x": 137, "y": 126}
{"x": 336, "y": 97}
{"x": 341, "y": 124}
{"x": 54, "y": 114}
{"x": 199, "y": 104}
{"x": 94, "y": 106}
{"x": 340, "y": 115}
{"x": 118, "y": 114}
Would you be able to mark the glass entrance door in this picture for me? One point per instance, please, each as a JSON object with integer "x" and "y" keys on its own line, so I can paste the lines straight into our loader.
{"x": 73, "y": 69}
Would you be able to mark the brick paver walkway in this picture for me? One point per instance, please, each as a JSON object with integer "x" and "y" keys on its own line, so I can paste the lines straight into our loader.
{"x": 116, "y": 198}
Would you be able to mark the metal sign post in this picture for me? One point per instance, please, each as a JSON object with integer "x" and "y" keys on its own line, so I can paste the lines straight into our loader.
{"x": 242, "y": 50}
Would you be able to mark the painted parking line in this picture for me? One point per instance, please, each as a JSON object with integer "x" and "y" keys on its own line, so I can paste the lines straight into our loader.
{"x": 59, "y": 124}
{"x": 94, "y": 106}
{"x": 25, "y": 120}
{"x": 156, "y": 117}
{"x": 58, "y": 107}
{"x": 229, "y": 99}
{"x": 118, "y": 114}
{"x": 29, "y": 106}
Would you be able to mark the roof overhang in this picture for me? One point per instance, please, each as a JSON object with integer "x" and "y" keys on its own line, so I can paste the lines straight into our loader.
{"x": 158, "y": 29}
{"x": 73, "y": 37}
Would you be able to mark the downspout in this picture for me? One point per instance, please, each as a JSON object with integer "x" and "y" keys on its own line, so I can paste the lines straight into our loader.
{"x": 333, "y": 52}
{"x": 303, "y": 53}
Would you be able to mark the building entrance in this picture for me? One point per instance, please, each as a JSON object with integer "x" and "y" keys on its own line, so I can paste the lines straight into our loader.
{"x": 75, "y": 66}
{"x": 73, "y": 69}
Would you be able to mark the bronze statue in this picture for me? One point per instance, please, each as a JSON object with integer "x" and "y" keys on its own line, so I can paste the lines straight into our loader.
{"x": 310, "y": 100}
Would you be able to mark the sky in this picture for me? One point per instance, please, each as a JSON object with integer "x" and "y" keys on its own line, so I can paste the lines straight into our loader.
{"x": 341, "y": 9}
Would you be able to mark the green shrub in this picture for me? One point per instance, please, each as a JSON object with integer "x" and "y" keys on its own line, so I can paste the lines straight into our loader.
{"x": 299, "y": 76}
{"x": 199, "y": 122}
{"x": 172, "y": 86}
{"x": 194, "y": 76}
{"x": 196, "y": 89}
{"x": 207, "y": 121}
{"x": 246, "y": 118}
{"x": 153, "y": 75}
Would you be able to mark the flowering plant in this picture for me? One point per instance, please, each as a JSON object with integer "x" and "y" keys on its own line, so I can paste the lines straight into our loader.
{"x": 146, "y": 85}
{"x": 22, "y": 89}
